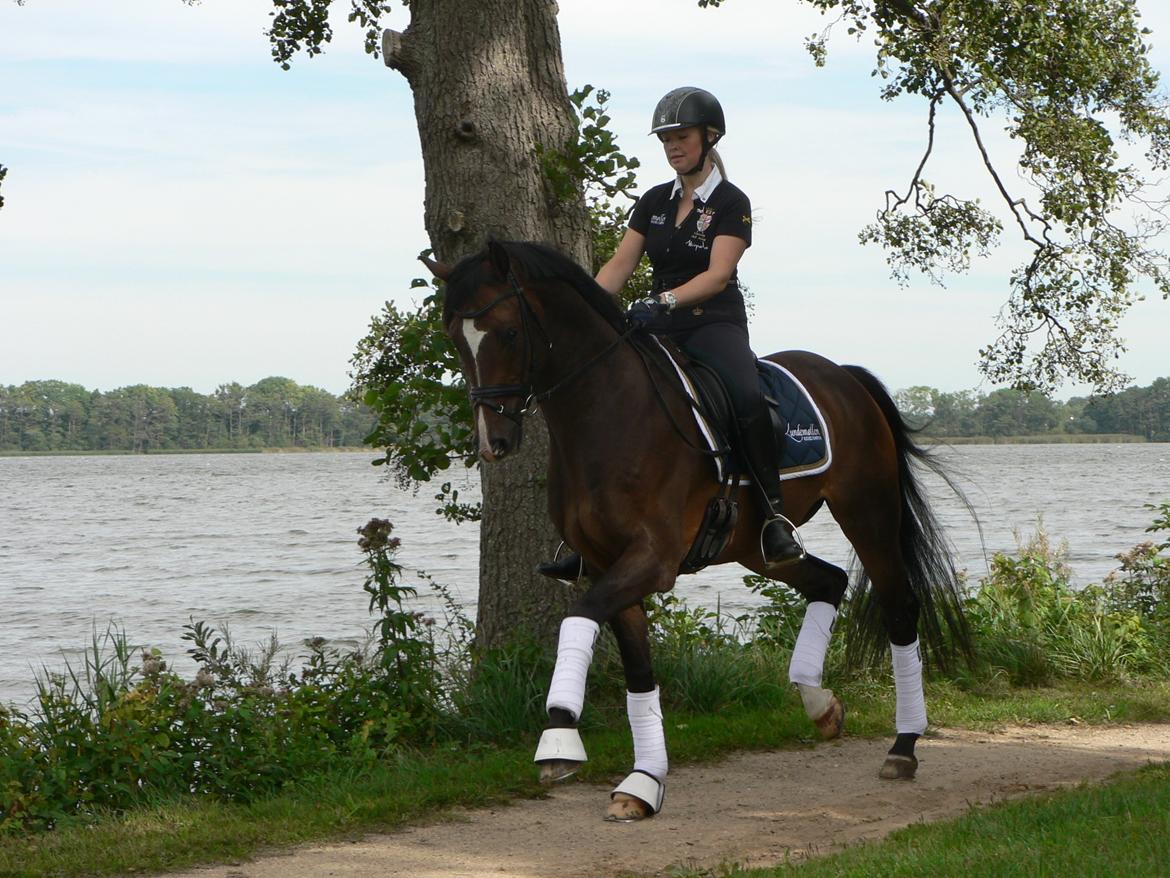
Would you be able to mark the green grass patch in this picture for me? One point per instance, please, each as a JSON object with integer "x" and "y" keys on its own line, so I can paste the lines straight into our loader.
{"x": 1121, "y": 829}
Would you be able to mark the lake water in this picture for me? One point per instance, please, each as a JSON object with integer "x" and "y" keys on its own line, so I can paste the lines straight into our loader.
{"x": 263, "y": 542}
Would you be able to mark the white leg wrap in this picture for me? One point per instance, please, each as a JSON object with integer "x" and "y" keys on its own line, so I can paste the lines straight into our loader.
{"x": 808, "y": 655}
{"x": 910, "y": 715}
{"x": 574, "y": 655}
{"x": 645, "y": 712}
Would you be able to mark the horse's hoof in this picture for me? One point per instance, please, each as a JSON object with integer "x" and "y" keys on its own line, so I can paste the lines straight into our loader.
{"x": 832, "y": 722}
{"x": 556, "y": 770}
{"x": 899, "y": 767}
{"x": 637, "y": 797}
{"x": 626, "y": 809}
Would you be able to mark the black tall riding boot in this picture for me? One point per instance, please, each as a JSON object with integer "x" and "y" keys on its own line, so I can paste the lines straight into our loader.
{"x": 758, "y": 447}
{"x": 566, "y": 569}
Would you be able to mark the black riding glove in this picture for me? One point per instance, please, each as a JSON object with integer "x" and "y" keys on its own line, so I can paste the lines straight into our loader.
{"x": 644, "y": 310}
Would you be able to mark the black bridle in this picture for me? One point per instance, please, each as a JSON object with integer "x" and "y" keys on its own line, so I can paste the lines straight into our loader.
{"x": 485, "y": 394}
{"x": 482, "y": 395}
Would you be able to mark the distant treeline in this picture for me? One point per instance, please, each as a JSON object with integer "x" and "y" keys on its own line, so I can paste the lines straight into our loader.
{"x": 272, "y": 413}
{"x": 1136, "y": 411}
{"x": 279, "y": 413}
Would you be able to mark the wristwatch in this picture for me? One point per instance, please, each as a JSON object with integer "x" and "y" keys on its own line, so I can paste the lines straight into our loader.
{"x": 669, "y": 299}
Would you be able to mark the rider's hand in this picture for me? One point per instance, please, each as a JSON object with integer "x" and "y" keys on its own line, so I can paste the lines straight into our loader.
{"x": 644, "y": 310}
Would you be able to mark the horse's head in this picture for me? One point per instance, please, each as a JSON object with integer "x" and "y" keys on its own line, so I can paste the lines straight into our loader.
{"x": 497, "y": 332}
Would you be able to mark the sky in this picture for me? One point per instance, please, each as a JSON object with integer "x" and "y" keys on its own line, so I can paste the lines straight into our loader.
{"x": 182, "y": 212}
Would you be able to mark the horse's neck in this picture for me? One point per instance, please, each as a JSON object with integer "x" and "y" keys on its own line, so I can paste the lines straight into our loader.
{"x": 586, "y": 355}
{"x": 606, "y": 406}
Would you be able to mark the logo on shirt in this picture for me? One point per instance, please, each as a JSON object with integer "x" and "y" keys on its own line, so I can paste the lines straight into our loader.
{"x": 659, "y": 219}
{"x": 704, "y": 219}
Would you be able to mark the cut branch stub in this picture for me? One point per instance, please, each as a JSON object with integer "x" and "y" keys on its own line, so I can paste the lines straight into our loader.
{"x": 392, "y": 50}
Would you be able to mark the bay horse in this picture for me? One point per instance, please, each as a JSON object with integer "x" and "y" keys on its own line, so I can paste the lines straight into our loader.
{"x": 628, "y": 490}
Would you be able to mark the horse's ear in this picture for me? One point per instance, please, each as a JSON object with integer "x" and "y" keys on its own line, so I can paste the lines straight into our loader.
{"x": 441, "y": 270}
{"x": 498, "y": 256}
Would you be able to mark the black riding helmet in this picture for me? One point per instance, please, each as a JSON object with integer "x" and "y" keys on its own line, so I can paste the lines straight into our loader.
{"x": 688, "y": 107}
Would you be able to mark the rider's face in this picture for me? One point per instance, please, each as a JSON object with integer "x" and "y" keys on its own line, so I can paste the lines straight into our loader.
{"x": 682, "y": 146}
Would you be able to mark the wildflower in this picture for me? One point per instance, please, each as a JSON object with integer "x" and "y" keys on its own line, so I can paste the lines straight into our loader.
{"x": 375, "y": 536}
{"x": 152, "y": 664}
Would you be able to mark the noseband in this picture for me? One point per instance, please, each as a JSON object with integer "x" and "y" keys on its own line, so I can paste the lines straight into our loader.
{"x": 484, "y": 394}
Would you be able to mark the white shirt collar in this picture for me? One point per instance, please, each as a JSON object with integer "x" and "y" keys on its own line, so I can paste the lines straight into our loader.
{"x": 703, "y": 192}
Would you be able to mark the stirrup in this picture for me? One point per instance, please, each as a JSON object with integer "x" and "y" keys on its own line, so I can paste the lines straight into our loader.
{"x": 646, "y": 788}
{"x": 796, "y": 538}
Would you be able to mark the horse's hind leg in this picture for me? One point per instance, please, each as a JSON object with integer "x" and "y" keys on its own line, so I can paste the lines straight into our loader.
{"x": 875, "y": 539}
{"x": 823, "y": 586}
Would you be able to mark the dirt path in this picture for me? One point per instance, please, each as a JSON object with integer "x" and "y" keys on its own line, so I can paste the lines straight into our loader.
{"x": 752, "y": 809}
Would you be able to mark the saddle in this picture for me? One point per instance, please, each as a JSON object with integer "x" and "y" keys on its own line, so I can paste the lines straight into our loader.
{"x": 800, "y": 432}
{"x": 799, "y": 425}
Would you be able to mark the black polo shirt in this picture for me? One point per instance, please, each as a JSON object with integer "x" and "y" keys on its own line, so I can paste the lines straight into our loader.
{"x": 678, "y": 254}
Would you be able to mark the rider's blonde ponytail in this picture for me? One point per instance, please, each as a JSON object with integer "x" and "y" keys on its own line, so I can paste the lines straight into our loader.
{"x": 717, "y": 159}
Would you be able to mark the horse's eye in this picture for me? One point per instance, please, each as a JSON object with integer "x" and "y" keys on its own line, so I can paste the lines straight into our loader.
{"x": 510, "y": 335}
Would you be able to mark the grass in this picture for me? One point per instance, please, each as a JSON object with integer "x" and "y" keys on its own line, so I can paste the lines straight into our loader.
{"x": 1121, "y": 829}
{"x": 418, "y": 785}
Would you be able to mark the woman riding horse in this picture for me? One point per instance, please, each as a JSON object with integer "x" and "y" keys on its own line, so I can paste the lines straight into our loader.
{"x": 627, "y": 489}
{"x": 695, "y": 228}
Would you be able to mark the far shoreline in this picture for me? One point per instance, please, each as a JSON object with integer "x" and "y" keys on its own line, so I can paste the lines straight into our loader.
{"x": 122, "y": 452}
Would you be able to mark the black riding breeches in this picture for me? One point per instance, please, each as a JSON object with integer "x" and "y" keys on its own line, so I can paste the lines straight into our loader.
{"x": 723, "y": 347}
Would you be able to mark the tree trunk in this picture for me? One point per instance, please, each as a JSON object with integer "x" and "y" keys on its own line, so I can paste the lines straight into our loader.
{"x": 489, "y": 85}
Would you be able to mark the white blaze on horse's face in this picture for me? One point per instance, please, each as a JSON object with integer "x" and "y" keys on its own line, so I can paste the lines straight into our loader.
{"x": 474, "y": 337}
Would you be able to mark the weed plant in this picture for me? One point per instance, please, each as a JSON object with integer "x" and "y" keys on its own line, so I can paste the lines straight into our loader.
{"x": 123, "y": 730}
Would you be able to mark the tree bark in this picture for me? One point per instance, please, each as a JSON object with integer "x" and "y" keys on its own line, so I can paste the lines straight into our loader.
{"x": 489, "y": 86}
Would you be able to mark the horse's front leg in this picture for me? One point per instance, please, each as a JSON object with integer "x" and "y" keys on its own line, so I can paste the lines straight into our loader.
{"x": 636, "y": 574}
{"x": 640, "y": 794}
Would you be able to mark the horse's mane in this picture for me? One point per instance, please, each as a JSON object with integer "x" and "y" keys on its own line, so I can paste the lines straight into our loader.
{"x": 536, "y": 262}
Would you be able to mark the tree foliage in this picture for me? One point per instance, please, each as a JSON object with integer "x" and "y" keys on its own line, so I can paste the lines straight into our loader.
{"x": 1135, "y": 411}
{"x": 1072, "y": 81}
{"x": 274, "y": 412}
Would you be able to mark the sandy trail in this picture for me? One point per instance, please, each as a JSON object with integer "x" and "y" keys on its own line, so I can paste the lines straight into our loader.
{"x": 754, "y": 809}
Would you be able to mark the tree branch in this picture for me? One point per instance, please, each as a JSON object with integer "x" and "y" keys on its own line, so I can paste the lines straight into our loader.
{"x": 1015, "y": 204}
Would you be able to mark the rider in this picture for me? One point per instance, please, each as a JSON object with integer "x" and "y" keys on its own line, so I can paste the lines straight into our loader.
{"x": 695, "y": 228}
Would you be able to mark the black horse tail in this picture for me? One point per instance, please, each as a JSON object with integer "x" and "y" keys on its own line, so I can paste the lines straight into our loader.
{"x": 943, "y": 630}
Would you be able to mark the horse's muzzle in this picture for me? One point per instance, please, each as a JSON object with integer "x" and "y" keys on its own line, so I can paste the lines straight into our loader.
{"x": 497, "y": 437}
{"x": 494, "y": 449}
